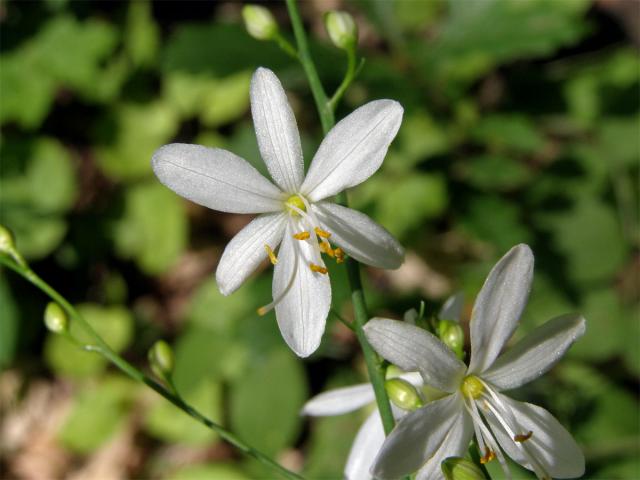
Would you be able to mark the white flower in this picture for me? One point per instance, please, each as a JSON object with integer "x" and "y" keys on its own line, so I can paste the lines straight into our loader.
{"x": 294, "y": 211}
{"x": 474, "y": 405}
{"x": 370, "y": 436}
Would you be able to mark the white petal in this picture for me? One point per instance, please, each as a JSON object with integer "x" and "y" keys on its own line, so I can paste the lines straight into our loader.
{"x": 247, "y": 250}
{"x": 365, "y": 448}
{"x": 215, "y": 178}
{"x": 535, "y": 354}
{"x": 353, "y": 150}
{"x": 412, "y": 348}
{"x": 276, "y": 130}
{"x": 452, "y": 308}
{"x": 498, "y": 307}
{"x": 302, "y": 313}
{"x": 414, "y": 378}
{"x": 550, "y": 445}
{"x": 416, "y": 437}
{"x": 359, "y": 236}
{"x": 455, "y": 444}
{"x": 339, "y": 401}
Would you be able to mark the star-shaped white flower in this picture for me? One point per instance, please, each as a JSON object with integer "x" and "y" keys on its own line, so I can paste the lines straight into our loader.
{"x": 474, "y": 405}
{"x": 294, "y": 212}
{"x": 370, "y": 436}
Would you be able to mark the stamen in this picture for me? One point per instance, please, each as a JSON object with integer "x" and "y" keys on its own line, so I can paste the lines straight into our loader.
{"x": 318, "y": 269}
{"x": 523, "y": 437}
{"x": 339, "y": 253}
{"x": 488, "y": 456}
{"x": 322, "y": 233}
{"x": 272, "y": 256}
{"x": 325, "y": 247}
{"x": 267, "y": 308}
{"x": 302, "y": 235}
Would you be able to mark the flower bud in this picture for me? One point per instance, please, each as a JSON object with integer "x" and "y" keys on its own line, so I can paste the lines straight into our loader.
{"x": 7, "y": 242}
{"x": 161, "y": 359}
{"x": 259, "y": 22}
{"x": 456, "y": 468}
{"x": 452, "y": 335}
{"x": 55, "y": 318}
{"x": 403, "y": 394}
{"x": 341, "y": 28}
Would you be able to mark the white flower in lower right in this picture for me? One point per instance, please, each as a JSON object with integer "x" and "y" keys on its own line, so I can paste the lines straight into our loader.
{"x": 474, "y": 403}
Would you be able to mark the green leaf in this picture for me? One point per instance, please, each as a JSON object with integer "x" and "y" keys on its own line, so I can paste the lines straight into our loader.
{"x": 99, "y": 412}
{"x": 210, "y": 471}
{"x": 495, "y": 172}
{"x": 266, "y": 401}
{"x": 582, "y": 234}
{"x": 153, "y": 229}
{"x": 113, "y": 324}
{"x": 142, "y": 35}
{"x": 500, "y": 132}
{"x": 140, "y": 130}
{"x": 466, "y": 49}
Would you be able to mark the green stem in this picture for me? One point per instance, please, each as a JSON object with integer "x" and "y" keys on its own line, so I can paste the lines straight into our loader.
{"x": 352, "y": 72}
{"x": 319, "y": 95}
{"x": 375, "y": 367}
{"x": 103, "y": 349}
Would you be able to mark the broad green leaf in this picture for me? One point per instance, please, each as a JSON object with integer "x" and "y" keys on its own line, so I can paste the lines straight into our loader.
{"x": 140, "y": 130}
{"x": 113, "y": 324}
{"x": 99, "y": 412}
{"x": 504, "y": 132}
{"x": 211, "y": 471}
{"x": 142, "y": 35}
{"x": 495, "y": 172}
{"x": 153, "y": 228}
{"x": 266, "y": 401}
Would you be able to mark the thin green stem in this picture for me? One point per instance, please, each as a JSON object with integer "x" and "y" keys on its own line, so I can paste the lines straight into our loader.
{"x": 286, "y": 46}
{"x": 319, "y": 95}
{"x": 353, "y": 68}
{"x": 103, "y": 349}
{"x": 375, "y": 367}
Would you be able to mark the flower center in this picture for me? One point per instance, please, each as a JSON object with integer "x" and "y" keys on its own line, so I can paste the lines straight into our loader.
{"x": 295, "y": 203}
{"x": 472, "y": 387}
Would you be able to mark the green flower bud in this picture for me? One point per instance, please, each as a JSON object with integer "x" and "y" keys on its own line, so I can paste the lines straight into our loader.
{"x": 456, "y": 468}
{"x": 161, "y": 359}
{"x": 55, "y": 318}
{"x": 259, "y": 22}
{"x": 403, "y": 394}
{"x": 341, "y": 28}
{"x": 7, "y": 242}
{"x": 452, "y": 335}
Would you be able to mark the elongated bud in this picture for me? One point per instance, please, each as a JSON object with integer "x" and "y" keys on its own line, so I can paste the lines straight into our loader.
{"x": 259, "y": 22}
{"x": 403, "y": 394}
{"x": 7, "y": 243}
{"x": 452, "y": 335}
{"x": 341, "y": 28}
{"x": 456, "y": 468}
{"x": 55, "y": 318}
{"x": 161, "y": 359}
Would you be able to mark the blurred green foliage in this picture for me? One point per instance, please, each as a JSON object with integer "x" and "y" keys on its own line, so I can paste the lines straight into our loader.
{"x": 521, "y": 125}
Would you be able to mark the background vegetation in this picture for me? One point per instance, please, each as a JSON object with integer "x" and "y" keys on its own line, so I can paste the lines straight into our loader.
{"x": 521, "y": 125}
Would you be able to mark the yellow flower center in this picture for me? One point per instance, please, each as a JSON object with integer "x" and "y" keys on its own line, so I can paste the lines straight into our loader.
{"x": 295, "y": 202}
{"x": 472, "y": 387}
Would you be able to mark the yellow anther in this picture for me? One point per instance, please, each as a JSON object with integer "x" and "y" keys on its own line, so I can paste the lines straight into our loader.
{"x": 295, "y": 202}
{"x": 472, "y": 387}
{"x": 322, "y": 233}
{"x": 339, "y": 254}
{"x": 325, "y": 247}
{"x": 523, "y": 437}
{"x": 318, "y": 268}
{"x": 272, "y": 256}
{"x": 262, "y": 311}
{"x": 301, "y": 235}
{"x": 488, "y": 456}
